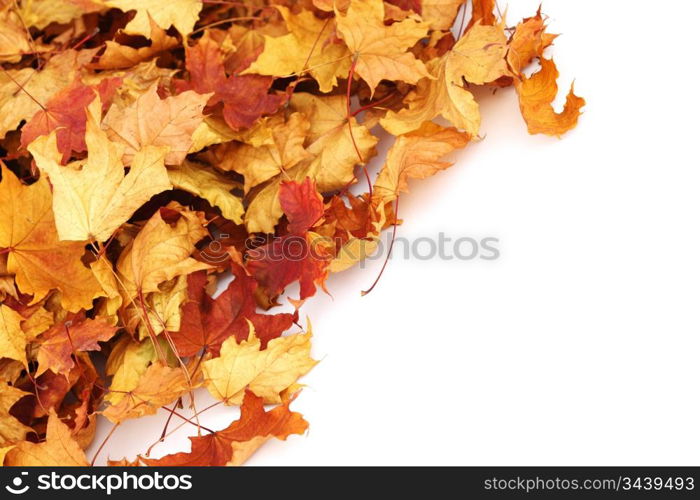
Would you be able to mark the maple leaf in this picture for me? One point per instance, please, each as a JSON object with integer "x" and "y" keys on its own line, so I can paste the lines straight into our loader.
{"x": 64, "y": 115}
{"x": 305, "y": 47}
{"x": 117, "y": 55}
{"x": 528, "y": 41}
{"x": 234, "y": 444}
{"x": 334, "y": 149}
{"x": 300, "y": 256}
{"x": 536, "y": 95}
{"x": 59, "y": 344}
{"x": 93, "y": 199}
{"x": 127, "y": 363}
{"x": 59, "y": 449}
{"x": 479, "y": 56}
{"x": 13, "y": 36}
{"x": 417, "y": 155}
{"x": 245, "y": 98}
{"x": 207, "y": 322}
{"x": 266, "y": 373}
{"x": 11, "y": 429}
{"x": 151, "y": 121}
{"x": 24, "y": 91}
{"x": 209, "y": 184}
{"x": 258, "y": 164}
{"x": 182, "y": 14}
{"x": 38, "y": 259}
{"x": 442, "y": 96}
{"x": 158, "y": 386}
{"x": 13, "y": 342}
{"x": 440, "y": 14}
{"x": 160, "y": 252}
{"x": 482, "y": 12}
{"x": 381, "y": 51}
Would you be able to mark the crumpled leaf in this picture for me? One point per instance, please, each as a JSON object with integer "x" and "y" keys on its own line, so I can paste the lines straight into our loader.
{"x": 159, "y": 253}
{"x": 536, "y": 95}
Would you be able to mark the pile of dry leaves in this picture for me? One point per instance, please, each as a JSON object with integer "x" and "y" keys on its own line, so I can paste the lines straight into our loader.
{"x": 148, "y": 146}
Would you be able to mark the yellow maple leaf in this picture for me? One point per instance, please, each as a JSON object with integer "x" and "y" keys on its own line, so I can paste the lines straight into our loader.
{"x": 159, "y": 253}
{"x": 182, "y": 14}
{"x": 416, "y": 156}
{"x": 261, "y": 163}
{"x": 334, "y": 149}
{"x": 440, "y": 14}
{"x": 380, "y": 51}
{"x": 38, "y": 259}
{"x": 211, "y": 185}
{"x": 432, "y": 98}
{"x": 59, "y": 448}
{"x": 266, "y": 373}
{"x": 13, "y": 342}
{"x": 11, "y": 429}
{"x": 117, "y": 55}
{"x": 151, "y": 121}
{"x": 93, "y": 199}
{"x": 158, "y": 386}
{"x": 304, "y": 48}
{"x": 479, "y": 56}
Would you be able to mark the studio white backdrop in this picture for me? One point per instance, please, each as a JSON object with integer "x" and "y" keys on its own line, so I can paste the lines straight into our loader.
{"x": 579, "y": 345}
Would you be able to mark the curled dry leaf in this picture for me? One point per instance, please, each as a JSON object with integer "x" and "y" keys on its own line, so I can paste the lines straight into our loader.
{"x": 188, "y": 142}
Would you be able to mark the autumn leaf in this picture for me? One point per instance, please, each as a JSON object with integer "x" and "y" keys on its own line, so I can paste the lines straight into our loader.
{"x": 13, "y": 342}
{"x": 207, "y": 322}
{"x": 24, "y": 91}
{"x": 38, "y": 259}
{"x": 118, "y": 55}
{"x": 528, "y": 41}
{"x": 380, "y": 51}
{"x": 11, "y": 429}
{"x": 158, "y": 386}
{"x": 182, "y": 14}
{"x": 210, "y": 185}
{"x": 160, "y": 252}
{"x": 64, "y": 340}
{"x": 536, "y": 95}
{"x": 64, "y": 115}
{"x": 245, "y": 98}
{"x": 58, "y": 448}
{"x": 266, "y": 373}
{"x": 416, "y": 156}
{"x": 237, "y": 442}
{"x": 151, "y": 121}
{"x": 92, "y": 200}
{"x": 307, "y": 46}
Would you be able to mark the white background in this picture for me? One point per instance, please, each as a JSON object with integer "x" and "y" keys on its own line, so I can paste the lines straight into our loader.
{"x": 580, "y": 344}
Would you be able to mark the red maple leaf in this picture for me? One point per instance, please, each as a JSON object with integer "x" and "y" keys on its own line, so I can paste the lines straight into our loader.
{"x": 65, "y": 113}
